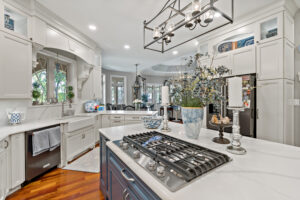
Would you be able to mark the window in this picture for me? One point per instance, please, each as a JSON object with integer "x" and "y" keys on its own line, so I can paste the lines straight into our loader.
{"x": 154, "y": 93}
{"x": 49, "y": 80}
{"x": 118, "y": 90}
{"x": 103, "y": 88}
{"x": 39, "y": 80}
{"x": 60, "y": 81}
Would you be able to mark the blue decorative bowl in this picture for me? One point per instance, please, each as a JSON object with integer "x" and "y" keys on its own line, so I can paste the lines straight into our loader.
{"x": 152, "y": 122}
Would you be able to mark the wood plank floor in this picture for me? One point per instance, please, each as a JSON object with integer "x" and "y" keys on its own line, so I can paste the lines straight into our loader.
{"x": 62, "y": 184}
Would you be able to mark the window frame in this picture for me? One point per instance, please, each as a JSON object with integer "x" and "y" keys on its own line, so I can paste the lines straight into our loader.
{"x": 125, "y": 87}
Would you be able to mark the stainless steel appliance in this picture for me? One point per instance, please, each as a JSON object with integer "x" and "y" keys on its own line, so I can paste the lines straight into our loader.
{"x": 171, "y": 161}
{"x": 248, "y": 117}
{"x": 37, "y": 165}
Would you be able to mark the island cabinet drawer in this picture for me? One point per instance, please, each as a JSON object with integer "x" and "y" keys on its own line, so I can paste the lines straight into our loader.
{"x": 134, "y": 186}
{"x": 117, "y": 117}
{"x": 133, "y": 117}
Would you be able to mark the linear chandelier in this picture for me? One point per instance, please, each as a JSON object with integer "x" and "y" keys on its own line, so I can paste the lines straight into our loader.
{"x": 198, "y": 16}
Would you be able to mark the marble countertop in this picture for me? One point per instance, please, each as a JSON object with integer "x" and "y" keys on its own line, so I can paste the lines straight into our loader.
{"x": 27, "y": 126}
{"x": 268, "y": 171}
{"x": 120, "y": 112}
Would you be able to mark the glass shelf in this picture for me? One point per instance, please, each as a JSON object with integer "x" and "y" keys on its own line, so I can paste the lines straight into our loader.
{"x": 15, "y": 21}
{"x": 269, "y": 29}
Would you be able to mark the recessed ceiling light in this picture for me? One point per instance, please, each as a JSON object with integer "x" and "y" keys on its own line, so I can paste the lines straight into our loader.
{"x": 217, "y": 14}
{"x": 92, "y": 27}
{"x": 126, "y": 46}
{"x": 196, "y": 43}
{"x": 175, "y": 52}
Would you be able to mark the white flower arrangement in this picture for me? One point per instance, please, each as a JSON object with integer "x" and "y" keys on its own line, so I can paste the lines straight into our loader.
{"x": 137, "y": 101}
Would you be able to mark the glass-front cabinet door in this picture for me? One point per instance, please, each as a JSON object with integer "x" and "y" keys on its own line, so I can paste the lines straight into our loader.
{"x": 14, "y": 21}
{"x": 271, "y": 28}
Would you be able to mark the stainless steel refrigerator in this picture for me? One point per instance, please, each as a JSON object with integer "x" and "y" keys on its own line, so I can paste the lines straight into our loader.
{"x": 248, "y": 117}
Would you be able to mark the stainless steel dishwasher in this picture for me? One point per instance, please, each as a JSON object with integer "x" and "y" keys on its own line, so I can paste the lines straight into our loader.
{"x": 37, "y": 165}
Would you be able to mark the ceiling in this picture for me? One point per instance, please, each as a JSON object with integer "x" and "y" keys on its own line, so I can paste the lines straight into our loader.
{"x": 120, "y": 22}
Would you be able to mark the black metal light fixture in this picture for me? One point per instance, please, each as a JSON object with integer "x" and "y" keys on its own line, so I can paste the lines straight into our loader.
{"x": 160, "y": 35}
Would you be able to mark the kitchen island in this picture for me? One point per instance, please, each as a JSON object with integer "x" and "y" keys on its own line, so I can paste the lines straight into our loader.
{"x": 268, "y": 170}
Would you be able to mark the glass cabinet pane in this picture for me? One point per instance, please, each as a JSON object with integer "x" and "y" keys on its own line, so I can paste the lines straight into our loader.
{"x": 269, "y": 29}
{"x": 15, "y": 21}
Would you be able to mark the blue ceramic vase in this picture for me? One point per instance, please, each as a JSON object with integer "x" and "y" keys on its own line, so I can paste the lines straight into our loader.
{"x": 192, "y": 121}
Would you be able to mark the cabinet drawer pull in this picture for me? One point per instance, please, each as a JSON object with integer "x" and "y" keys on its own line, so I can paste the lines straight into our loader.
{"x": 127, "y": 195}
{"x": 117, "y": 122}
{"x": 124, "y": 192}
{"x": 6, "y": 144}
{"x": 126, "y": 177}
{"x": 83, "y": 136}
{"x": 47, "y": 165}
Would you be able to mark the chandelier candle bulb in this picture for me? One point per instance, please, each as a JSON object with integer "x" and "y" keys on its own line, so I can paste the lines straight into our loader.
{"x": 196, "y": 7}
{"x": 165, "y": 95}
{"x": 235, "y": 92}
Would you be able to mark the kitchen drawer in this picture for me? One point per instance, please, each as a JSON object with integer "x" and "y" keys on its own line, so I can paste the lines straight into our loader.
{"x": 132, "y": 122}
{"x": 133, "y": 117}
{"x": 117, "y": 117}
{"x": 132, "y": 182}
{"x": 117, "y": 123}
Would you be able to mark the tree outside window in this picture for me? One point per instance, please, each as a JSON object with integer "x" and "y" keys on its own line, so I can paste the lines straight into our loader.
{"x": 39, "y": 77}
{"x": 60, "y": 76}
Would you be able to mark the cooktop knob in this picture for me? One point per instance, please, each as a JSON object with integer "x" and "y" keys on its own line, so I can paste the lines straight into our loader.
{"x": 125, "y": 146}
{"x": 151, "y": 165}
{"x": 136, "y": 154}
{"x": 160, "y": 171}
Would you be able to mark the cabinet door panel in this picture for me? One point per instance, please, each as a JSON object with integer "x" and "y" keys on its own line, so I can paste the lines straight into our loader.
{"x": 74, "y": 146}
{"x": 105, "y": 121}
{"x": 270, "y": 110}
{"x": 289, "y": 112}
{"x": 270, "y": 60}
{"x": 289, "y": 60}
{"x": 15, "y": 67}
{"x": 243, "y": 61}
{"x": 17, "y": 159}
{"x": 3, "y": 172}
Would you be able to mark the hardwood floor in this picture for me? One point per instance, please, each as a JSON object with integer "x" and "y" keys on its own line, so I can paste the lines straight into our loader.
{"x": 62, "y": 184}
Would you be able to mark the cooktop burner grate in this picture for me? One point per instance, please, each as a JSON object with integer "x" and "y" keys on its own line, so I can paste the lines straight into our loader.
{"x": 186, "y": 159}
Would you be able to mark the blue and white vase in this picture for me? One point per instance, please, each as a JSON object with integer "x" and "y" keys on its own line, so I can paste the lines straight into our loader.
{"x": 192, "y": 121}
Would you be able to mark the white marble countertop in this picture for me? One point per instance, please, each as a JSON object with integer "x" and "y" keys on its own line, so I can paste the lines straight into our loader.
{"x": 268, "y": 170}
{"x": 27, "y": 126}
{"x": 120, "y": 112}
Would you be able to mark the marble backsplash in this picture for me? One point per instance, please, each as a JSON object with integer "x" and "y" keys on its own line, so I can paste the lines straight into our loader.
{"x": 33, "y": 113}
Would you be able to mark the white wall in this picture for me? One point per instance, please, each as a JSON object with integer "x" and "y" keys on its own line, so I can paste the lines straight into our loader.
{"x": 297, "y": 82}
{"x": 130, "y": 81}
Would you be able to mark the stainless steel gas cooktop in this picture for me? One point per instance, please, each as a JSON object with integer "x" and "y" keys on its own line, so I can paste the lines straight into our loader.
{"x": 172, "y": 161}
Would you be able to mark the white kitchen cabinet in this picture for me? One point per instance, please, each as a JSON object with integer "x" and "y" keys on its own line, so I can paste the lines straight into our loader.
{"x": 270, "y": 28}
{"x": 244, "y": 60}
{"x": 289, "y": 27}
{"x": 133, "y": 119}
{"x": 270, "y": 60}
{"x": 15, "y": 67}
{"x": 4, "y": 183}
{"x": 17, "y": 157}
{"x": 56, "y": 39}
{"x": 288, "y": 123}
{"x": 105, "y": 121}
{"x": 79, "y": 141}
{"x": 270, "y": 110}
{"x": 289, "y": 60}
{"x": 275, "y": 111}
{"x": 39, "y": 32}
{"x": 223, "y": 59}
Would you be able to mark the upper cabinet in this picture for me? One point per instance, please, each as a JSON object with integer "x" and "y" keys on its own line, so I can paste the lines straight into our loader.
{"x": 243, "y": 61}
{"x": 39, "y": 31}
{"x": 15, "y": 67}
{"x": 271, "y": 28}
{"x": 15, "y": 21}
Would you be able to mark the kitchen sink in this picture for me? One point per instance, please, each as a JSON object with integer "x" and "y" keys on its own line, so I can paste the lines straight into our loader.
{"x": 77, "y": 122}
